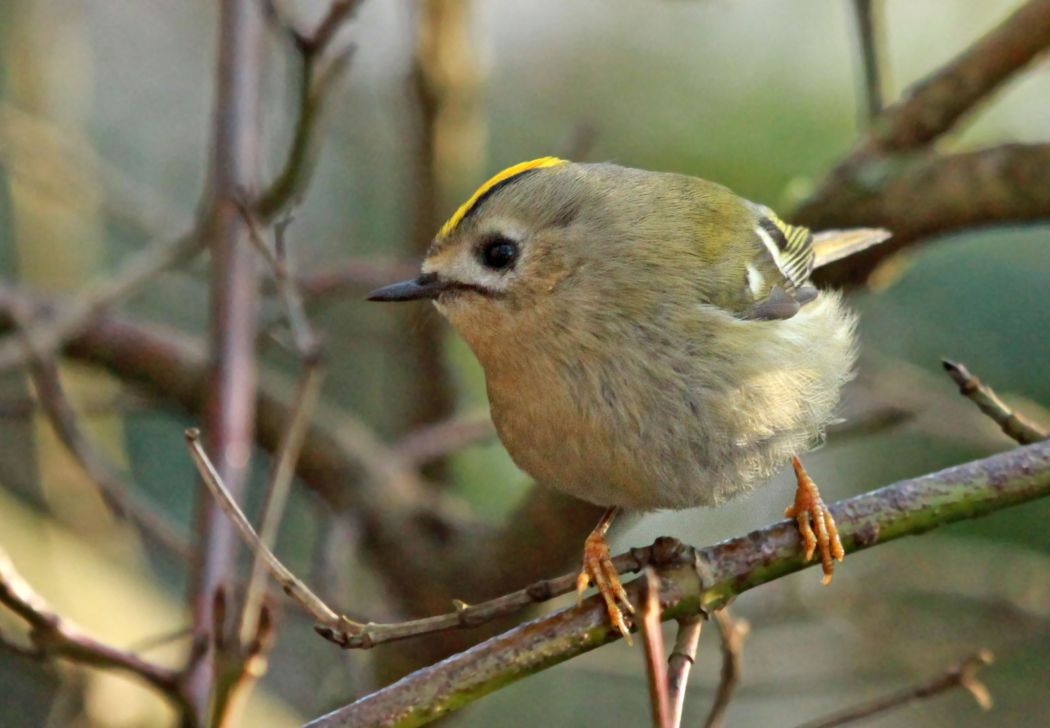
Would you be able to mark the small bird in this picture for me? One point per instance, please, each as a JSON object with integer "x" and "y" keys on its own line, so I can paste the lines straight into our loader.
{"x": 649, "y": 340}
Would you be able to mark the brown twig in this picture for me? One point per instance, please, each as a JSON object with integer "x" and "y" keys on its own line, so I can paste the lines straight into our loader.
{"x": 680, "y": 664}
{"x": 1009, "y": 183}
{"x": 51, "y": 332}
{"x": 291, "y": 584}
{"x": 730, "y": 568}
{"x": 655, "y": 659}
{"x": 962, "y": 675}
{"x": 732, "y": 631}
{"x": 119, "y": 494}
{"x": 1011, "y": 423}
{"x": 212, "y": 679}
{"x": 433, "y": 442}
{"x": 935, "y": 105}
{"x": 277, "y": 492}
{"x": 54, "y": 636}
{"x": 308, "y": 344}
{"x": 354, "y": 277}
{"x": 317, "y": 81}
{"x": 341, "y": 629}
{"x": 869, "y": 186}
{"x": 309, "y": 347}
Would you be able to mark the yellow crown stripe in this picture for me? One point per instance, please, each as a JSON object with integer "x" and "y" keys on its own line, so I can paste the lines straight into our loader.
{"x": 503, "y": 176}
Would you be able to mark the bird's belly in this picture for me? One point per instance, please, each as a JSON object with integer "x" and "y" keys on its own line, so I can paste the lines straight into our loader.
{"x": 609, "y": 460}
{"x": 674, "y": 431}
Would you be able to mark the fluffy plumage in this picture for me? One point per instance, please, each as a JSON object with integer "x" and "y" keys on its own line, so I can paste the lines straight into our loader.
{"x": 645, "y": 348}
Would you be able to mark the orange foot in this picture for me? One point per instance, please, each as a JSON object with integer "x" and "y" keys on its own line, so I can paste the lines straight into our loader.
{"x": 598, "y": 569}
{"x": 810, "y": 513}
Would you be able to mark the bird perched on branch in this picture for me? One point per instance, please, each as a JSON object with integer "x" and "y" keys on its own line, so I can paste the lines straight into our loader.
{"x": 649, "y": 340}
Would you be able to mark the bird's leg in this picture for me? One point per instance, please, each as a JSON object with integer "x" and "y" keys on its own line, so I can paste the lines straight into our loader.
{"x": 598, "y": 569}
{"x": 814, "y": 522}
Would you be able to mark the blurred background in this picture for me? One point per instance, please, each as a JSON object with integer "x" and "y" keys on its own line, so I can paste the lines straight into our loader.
{"x": 104, "y": 129}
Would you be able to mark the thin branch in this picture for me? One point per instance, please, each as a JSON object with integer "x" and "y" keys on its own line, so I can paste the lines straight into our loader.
{"x": 218, "y": 672}
{"x": 119, "y": 494}
{"x": 1012, "y": 424}
{"x": 680, "y": 664}
{"x": 308, "y": 344}
{"x": 732, "y": 631}
{"x": 316, "y": 88}
{"x": 962, "y": 675}
{"x": 655, "y": 659}
{"x": 704, "y": 579}
{"x": 317, "y": 81}
{"x": 277, "y": 493}
{"x": 1006, "y": 184}
{"x": 869, "y": 53}
{"x": 50, "y": 332}
{"x": 54, "y": 636}
{"x": 291, "y": 584}
{"x": 934, "y": 106}
{"x": 339, "y": 12}
{"x": 869, "y": 186}
{"x": 354, "y": 276}
{"x": 433, "y": 442}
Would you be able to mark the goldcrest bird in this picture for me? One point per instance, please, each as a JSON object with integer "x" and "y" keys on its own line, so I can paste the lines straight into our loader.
{"x": 649, "y": 340}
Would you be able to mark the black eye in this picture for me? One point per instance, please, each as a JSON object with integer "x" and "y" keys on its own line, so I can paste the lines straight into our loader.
{"x": 499, "y": 253}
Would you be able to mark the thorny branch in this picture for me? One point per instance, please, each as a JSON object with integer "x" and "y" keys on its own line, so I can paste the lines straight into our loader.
{"x": 694, "y": 580}
{"x": 1012, "y": 424}
{"x": 963, "y": 675}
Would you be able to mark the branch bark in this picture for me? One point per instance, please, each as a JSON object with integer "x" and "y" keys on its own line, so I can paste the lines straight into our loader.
{"x": 1012, "y": 424}
{"x": 229, "y": 414}
{"x": 935, "y": 105}
{"x": 51, "y": 635}
{"x": 893, "y": 161}
{"x": 1001, "y": 185}
{"x": 703, "y": 579}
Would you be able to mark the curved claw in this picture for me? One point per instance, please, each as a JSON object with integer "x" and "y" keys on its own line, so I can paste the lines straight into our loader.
{"x": 809, "y": 511}
{"x": 598, "y": 569}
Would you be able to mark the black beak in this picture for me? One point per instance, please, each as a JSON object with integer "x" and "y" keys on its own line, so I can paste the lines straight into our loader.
{"x": 428, "y": 285}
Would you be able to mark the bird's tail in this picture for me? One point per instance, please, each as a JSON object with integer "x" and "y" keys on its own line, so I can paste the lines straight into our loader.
{"x": 832, "y": 245}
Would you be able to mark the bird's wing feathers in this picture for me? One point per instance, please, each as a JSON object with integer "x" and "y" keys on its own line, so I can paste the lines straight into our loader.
{"x": 790, "y": 247}
{"x": 791, "y": 253}
{"x": 832, "y": 245}
{"x": 779, "y": 268}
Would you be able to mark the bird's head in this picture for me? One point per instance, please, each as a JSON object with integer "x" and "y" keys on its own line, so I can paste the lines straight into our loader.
{"x": 506, "y": 252}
